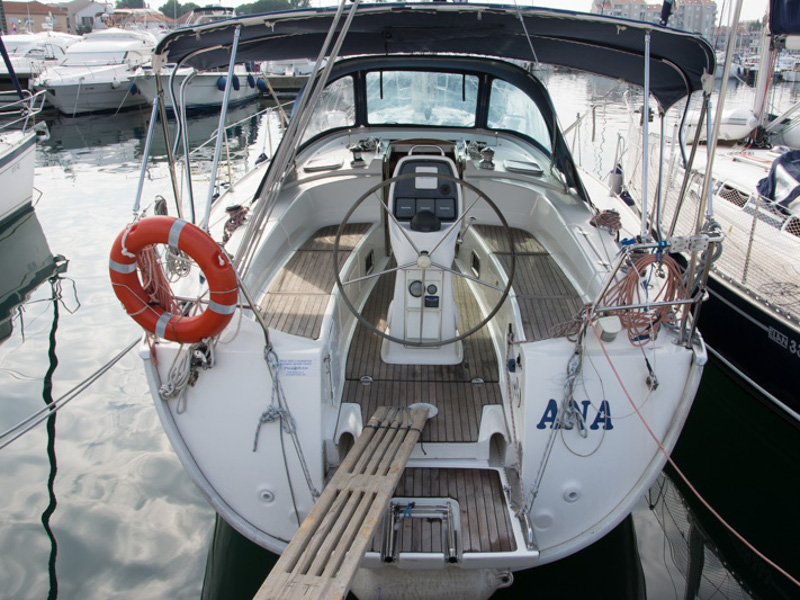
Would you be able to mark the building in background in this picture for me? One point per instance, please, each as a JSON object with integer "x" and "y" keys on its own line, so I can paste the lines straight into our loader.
{"x": 34, "y": 17}
{"x": 84, "y": 15}
{"x": 697, "y": 16}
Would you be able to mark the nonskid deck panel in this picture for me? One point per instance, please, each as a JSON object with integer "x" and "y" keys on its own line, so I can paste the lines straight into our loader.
{"x": 296, "y": 299}
{"x": 547, "y": 299}
{"x": 485, "y": 521}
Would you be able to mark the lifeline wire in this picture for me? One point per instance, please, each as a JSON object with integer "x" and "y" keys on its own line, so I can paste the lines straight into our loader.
{"x": 23, "y": 427}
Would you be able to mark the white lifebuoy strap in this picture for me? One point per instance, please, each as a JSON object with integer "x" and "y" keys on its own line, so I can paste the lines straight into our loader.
{"x": 161, "y": 324}
{"x": 222, "y": 309}
{"x": 123, "y": 268}
{"x": 175, "y": 233}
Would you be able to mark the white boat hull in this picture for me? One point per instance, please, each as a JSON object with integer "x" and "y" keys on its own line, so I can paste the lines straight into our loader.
{"x": 421, "y": 239}
{"x": 98, "y": 95}
{"x": 17, "y": 161}
{"x": 204, "y": 90}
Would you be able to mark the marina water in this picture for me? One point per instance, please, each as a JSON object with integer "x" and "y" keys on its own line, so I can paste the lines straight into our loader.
{"x": 96, "y": 505}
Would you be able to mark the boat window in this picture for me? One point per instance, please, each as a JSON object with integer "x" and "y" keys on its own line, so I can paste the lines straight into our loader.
{"x": 335, "y": 108}
{"x": 94, "y": 58}
{"x": 512, "y": 109}
{"x": 421, "y": 98}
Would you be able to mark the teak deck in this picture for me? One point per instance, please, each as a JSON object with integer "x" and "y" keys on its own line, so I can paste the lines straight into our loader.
{"x": 325, "y": 552}
{"x": 296, "y": 300}
{"x": 295, "y": 303}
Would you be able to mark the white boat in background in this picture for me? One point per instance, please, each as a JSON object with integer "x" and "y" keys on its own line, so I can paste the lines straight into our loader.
{"x": 752, "y": 320}
{"x": 735, "y": 125}
{"x": 207, "y": 14}
{"x": 197, "y": 90}
{"x": 17, "y": 151}
{"x": 94, "y": 75}
{"x": 30, "y": 53}
{"x": 416, "y": 330}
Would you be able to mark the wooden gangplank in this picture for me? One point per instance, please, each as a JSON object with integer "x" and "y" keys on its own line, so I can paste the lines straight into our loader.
{"x": 324, "y": 554}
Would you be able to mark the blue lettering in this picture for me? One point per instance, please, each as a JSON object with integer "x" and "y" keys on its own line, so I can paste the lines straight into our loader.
{"x": 575, "y": 414}
{"x": 603, "y": 416}
{"x": 549, "y": 416}
{"x": 580, "y": 415}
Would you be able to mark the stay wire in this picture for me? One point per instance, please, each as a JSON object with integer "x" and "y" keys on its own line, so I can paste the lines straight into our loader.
{"x": 26, "y": 425}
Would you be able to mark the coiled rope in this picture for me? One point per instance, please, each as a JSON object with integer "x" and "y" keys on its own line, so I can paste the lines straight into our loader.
{"x": 633, "y": 291}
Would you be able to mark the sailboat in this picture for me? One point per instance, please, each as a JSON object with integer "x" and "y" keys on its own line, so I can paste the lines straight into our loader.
{"x": 752, "y": 324}
{"x": 412, "y": 353}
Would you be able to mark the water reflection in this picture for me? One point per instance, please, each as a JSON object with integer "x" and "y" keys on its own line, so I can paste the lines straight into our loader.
{"x": 743, "y": 458}
{"x": 25, "y": 263}
{"x": 47, "y": 395}
{"x": 122, "y": 135}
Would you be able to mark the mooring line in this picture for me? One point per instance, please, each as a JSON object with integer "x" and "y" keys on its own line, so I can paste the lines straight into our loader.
{"x": 685, "y": 479}
{"x": 23, "y": 427}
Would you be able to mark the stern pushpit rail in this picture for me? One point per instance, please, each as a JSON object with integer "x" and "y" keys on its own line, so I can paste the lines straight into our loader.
{"x": 323, "y": 555}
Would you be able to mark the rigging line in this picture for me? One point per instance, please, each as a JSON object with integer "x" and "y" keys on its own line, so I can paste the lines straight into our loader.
{"x": 23, "y": 427}
{"x": 681, "y": 474}
{"x": 286, "y": 151}
{"x": 527, "y": 35}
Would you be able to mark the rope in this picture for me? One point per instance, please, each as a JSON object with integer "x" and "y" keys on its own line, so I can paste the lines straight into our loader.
{"x": 183, "y": 371}
{"x": 278, "y": 410}
{"x": 642, "y": 324}
{"x": 683, "y": 477}
{"x": 608, "y": 219}
{"x": 23, "y": 427}
{"x": 154, "y": 281}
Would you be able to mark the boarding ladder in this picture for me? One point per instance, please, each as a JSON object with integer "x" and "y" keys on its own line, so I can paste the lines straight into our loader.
{"x": 323, "y": 555}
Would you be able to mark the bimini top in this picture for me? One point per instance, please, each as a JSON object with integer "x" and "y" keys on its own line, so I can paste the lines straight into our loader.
{"x": 603, "y": 45}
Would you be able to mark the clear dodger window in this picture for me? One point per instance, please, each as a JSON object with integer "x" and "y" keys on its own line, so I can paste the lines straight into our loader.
{"x": 421, "y": 98}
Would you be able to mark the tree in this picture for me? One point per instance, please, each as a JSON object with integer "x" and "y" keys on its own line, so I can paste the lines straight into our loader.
{"x": 174, "y": 9}
{"x": 130, "y": 4}
{"x": 261, "y": 6}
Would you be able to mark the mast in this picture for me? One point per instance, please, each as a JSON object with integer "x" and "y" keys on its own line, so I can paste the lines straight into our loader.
{"x": 765, "y": 72}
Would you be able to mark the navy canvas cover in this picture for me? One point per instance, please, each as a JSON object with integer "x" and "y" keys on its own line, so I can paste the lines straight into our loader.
{"x": 784, "y": 17}
{"x": 599, "y": 44}
{"x": 782, "y": 185}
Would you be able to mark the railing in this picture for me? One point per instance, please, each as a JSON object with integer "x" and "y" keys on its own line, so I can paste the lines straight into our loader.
{"x": 19, "y": 113}
{"x": 761, "y": 251}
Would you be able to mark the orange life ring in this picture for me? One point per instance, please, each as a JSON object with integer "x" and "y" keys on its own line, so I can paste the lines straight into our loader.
{"x": 215, "y": 265}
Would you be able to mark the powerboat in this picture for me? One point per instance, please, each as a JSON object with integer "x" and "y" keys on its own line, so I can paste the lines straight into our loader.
{"x": 30, "y": 53}
{"x": 93, "y": 76}
{"x": 201, "y": 90}
{"x": 412, "y": 353}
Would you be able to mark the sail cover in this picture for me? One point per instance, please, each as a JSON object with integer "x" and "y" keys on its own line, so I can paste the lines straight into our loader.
{"x": 604, "y": 45}
{"x": 782, "y": 185}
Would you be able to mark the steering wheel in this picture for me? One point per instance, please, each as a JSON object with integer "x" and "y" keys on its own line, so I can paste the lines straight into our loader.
{"x": 424, "y": 260}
